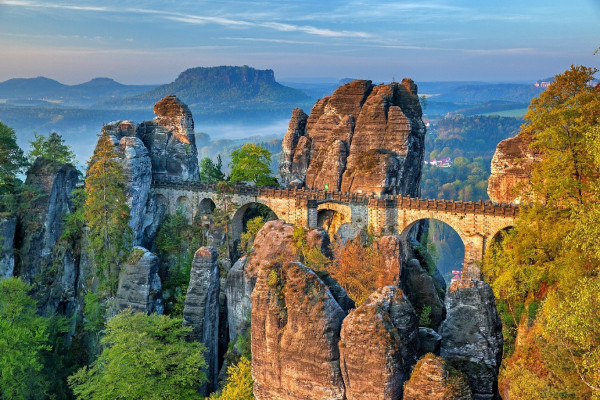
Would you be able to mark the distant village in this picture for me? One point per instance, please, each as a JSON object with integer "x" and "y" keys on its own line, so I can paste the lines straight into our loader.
{"x": 440, "y": 163}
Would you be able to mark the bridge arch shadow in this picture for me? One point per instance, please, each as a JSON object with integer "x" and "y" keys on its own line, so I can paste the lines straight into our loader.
{"x": 438, "y": 242}
{"x": 245, "y": 213}
{"x": 206, "y": 206}
{"x": 184, "y": 204}
{"x": 336, "y": 219}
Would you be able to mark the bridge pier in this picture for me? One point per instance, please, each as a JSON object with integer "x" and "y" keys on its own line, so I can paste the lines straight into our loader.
{"x": 474, "y": 246}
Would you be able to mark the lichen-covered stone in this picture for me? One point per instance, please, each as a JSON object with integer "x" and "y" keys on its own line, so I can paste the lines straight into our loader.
{"x": 139, "y": 283}
{"x": 472, "y": 335}
{"x": 296, "y": 325}
{"x": 422, "y": 291}
{"x": 201, "y": 310}
{"x": 171, "y": 141}
{"x": 392, "y": 251}
{"x": 361, "y": 138}
{"x": 138, "y": 170}
{"x": 8, "y": 226}
{"x": 434, "y": 379}
{"x": 511, "y": 167}
{"x": 238, "y": 289}
{"x": 378, "y": 346}
{"x": 38, "y": 231}
{"x": 289, "y": 147}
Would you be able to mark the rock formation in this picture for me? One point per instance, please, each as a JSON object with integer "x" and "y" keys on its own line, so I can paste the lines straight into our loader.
{"x": 273, "y": 243}
{"x": 38, "y": 231}
{"x": 238, "y": 288}
{"x": 8, "y": 224}
{"x": 434, "y": 379}
{"x": 472, "y": 336}
{"x": 201, "y": 309}
{"x": 139, "y": 284}
{"x": 361, "y": 138}
{"x": 162, "y": 148}
{"x": 391, "y": 249}
{"x": 422, "y": 291}
{"x": 296, "y": 324}
{"x": 378, "y": 346}
{"x": 511, "y": 166}
{"x": 170, "y": 140}
{"x": 137, "y": 166}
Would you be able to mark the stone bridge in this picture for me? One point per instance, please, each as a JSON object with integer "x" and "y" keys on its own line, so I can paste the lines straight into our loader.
{"x": 476, "y": 223}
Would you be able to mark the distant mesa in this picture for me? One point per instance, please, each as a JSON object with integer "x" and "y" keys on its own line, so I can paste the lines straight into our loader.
{"x": 224, "y": 85}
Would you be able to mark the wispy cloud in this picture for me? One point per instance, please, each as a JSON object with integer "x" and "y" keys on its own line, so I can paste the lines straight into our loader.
{"x": 511, "y": 51}
{"x": 252, "y": 39}
{"x": 199, "y": 19}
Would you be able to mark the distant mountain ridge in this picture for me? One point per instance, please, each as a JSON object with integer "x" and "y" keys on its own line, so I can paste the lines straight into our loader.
{"x": 42, "y": 88}
{"x": 216, "y": 86}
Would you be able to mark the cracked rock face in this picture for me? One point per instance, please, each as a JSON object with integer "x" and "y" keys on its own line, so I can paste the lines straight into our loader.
{"x": 434, "y": 379}
{"x": 162, "y": 148}
{"x": 472, "y": 335}
{"x": 379, "y": 345}
{"x": 8, "y": 226}
{"x": 139, "y": 283}
{"x": 361, "y": 138}
{"x": 39, "y": 230}
{"x": 296, "y": 325}
{"x": 511, "y": 167}
{"x": 201, "y": 310}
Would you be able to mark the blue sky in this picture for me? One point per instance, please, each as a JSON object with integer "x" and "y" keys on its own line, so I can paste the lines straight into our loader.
{"x": 152, "y": 41}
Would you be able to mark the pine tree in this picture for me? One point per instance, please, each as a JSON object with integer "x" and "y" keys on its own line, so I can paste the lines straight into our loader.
{"x": 12, "y": 163}
{"x": 107, "y": 213}
{"x": 52, "y": 148}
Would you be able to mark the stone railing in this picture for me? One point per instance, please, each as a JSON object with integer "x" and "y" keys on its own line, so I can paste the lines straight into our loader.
{"x": 383, "y": 201}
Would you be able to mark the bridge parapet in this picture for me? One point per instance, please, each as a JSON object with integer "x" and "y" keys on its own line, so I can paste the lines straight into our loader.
{"x": 388, "y": 201}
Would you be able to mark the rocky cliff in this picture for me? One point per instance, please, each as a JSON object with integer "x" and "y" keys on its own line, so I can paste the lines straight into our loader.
{"x": 361, "y": 138}
{"x": 201, "y": 310}
{"x": 162, "y": 148}
{"x": 38, "y": 231}
{"x": 378, "y": 345}
{"x": 8, "y": 225}
{"x": 139, "y": 284}
{"x": 511, "y": 168}
{"x": 472, "y": 336}
{"x": 296, "y": 324}
{"x": 433, "y": 379}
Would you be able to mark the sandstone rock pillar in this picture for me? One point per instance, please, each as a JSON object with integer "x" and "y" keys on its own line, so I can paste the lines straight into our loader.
{"x": 378, "y": 346}
{"x": 201, "y": 310}
{"x": 472, "y": 335}
{"x": 7, "y": 237}
{"x": 296, "y": 325}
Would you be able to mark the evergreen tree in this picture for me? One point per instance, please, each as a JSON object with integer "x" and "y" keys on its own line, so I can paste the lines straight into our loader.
{"x": 211, "y": 172}
{"x": 143, "y": 357}
{"x": 12, "y": 163}
{"x": 51, "y": 148}
{"x": 107, "y": 213}
{"x": 250, "y": 163}
{"x": 24, "y": 339}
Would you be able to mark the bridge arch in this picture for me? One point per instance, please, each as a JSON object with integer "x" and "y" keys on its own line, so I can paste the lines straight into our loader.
{"x": 336, "y": 219}
{"x": 183, "y": 203}
{"x": 247, "y": 212}
{"x": 448, "y": 244}
{"x": 206, "y": 206}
